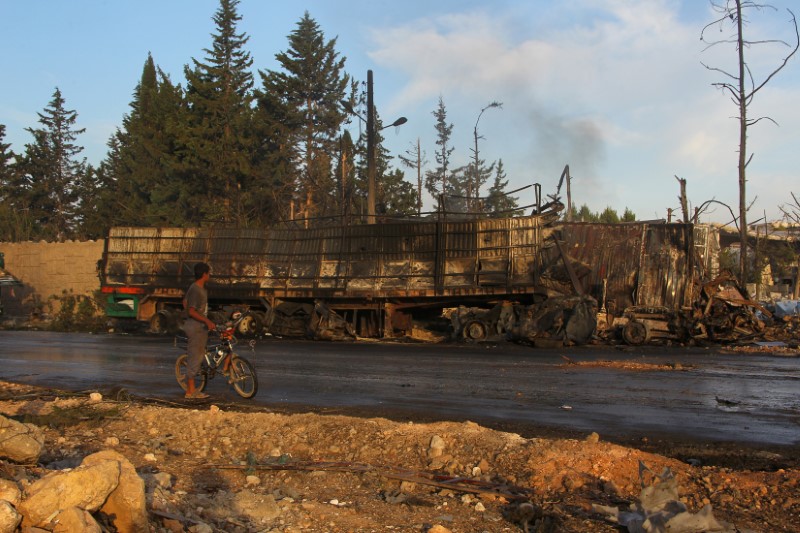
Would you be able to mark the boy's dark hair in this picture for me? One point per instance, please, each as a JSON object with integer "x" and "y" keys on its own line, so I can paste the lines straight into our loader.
{"x": 200, "y": 269}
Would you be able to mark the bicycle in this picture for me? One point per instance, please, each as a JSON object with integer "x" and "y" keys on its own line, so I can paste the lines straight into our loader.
{"x": 241, "y": 373}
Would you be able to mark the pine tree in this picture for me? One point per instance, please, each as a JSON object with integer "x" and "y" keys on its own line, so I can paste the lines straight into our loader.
{"x": 498, "y": 202}
{"x": 474, "y": 178}
{"x": 608, "y": 216}
{"x": 346, "y": 174}
{"x": 310, "y": 86}
{"x": 477, "y": 173}
{"x": 217, "y": 147}
{"x": 51, "y": 172}
{"x": 392, "y": 191}
{"x": 628, "y": 216}
{"x": 585, "y": 215}
{"x": 396, "y": 196}
{"x": 137, "y": 177}
{"x": 6, "y": 159}
{"x": 271, "y": 188}
{"x": 95, "y": 211}
{"x": 436, "y": 181}
{"x": 12, "y": 208}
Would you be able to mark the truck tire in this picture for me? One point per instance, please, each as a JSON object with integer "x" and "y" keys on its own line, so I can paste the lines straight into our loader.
{"x": 249, "y": 326}
{"x": 159, "y": 323}
{"x": 475, "y": 330}
{"x": 635, "y": 333}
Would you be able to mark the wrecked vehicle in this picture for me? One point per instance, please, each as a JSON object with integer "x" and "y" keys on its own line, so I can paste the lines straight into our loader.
{"x": 531, "y": 279}
{"x": 335, "y": 281}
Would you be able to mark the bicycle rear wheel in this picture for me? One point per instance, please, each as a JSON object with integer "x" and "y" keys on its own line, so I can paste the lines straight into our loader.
{"x": 243, "y": 377}
{"x": 181, "y": 366}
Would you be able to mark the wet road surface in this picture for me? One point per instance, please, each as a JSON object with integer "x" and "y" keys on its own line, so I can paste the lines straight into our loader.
{"x": 716, "y": 397}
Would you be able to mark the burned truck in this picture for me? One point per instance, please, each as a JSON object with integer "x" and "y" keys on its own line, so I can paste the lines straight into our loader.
{"x": 645, "y": 276}
{"x": 531, "y": 278}
{"x": 369, "y": 280}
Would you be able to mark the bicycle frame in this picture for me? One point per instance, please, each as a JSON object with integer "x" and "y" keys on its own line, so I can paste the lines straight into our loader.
{"x": 219, "y": 353}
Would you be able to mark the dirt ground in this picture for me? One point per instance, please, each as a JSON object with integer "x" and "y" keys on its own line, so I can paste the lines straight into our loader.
{"x": 212, "y": 467}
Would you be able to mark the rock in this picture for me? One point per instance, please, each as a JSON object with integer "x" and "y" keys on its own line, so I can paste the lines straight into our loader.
{"x": 201, "y": 528}
{"x": 479, "y": 507}
{"x": 74, "y": 519}
{"x": 439, "y": 529}
{"x": 252, "y": 481}
{"x": 20, "y": 443}
{"x": 95, "y": 397}
{"x": 436, "y": 447}
{"x": 163, "y": 479}
{"x": 9, "y": 491}
{"x": 593, "y": 437}
{"x": 173, "y": 526}
{"x": 611, "y": 488}
{"x": 9, "y": 517}
{"x": 150, "y": 457}
{"x": 86, "y": 487}
{"x": 126, "y": 503}
{"x": 407, "y": 486}
{"x": 258, "y": 507}
{"x": 112, "y": 441}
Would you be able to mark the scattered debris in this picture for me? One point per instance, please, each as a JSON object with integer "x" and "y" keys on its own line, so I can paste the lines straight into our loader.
{"x": 660, "y": 509}
{"x": 218, "y": 469}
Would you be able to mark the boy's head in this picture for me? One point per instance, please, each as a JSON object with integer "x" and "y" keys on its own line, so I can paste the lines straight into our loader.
{"x": 201, "y": 269}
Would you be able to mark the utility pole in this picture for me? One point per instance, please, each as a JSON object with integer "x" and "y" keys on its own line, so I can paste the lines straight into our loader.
{"x": 371, "y": 134}
{"x": 370, "y": 152}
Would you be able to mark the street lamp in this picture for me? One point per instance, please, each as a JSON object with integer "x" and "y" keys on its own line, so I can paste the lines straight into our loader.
{"x": 371, "y": 132}
{"x": 474, "y": 180}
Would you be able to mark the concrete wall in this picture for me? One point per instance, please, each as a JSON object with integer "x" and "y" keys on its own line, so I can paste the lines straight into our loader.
{"x": 47, "y": 269}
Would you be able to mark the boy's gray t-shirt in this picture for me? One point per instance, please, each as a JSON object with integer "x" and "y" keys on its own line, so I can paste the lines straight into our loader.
{"x": 197, "y": 297}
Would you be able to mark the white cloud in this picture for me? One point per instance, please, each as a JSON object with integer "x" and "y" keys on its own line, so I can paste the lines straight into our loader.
{"x": 616, "y": 90}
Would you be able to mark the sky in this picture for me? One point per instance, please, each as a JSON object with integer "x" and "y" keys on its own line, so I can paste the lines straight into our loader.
{"x": 616, "y": 89}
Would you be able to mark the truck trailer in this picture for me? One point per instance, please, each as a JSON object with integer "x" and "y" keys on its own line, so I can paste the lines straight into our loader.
{"x": 473, "y": 278}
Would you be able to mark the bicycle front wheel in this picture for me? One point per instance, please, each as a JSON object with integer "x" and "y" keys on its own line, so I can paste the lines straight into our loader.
{"x": 181, "y": 366}
{"x": 243, "y": 377}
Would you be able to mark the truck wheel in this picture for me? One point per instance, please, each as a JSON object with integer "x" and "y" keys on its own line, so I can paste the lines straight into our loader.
{"x": 159, "y": 323}
{"x": 475, "y": 330}
{"x": 635, "y": 333}
{"x": 249, "y": 326}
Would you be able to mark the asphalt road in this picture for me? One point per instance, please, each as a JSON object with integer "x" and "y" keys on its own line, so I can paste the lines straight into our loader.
{"x": 715, "y": 398}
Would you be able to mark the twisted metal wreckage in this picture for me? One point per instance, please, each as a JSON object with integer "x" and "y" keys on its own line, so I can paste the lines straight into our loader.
{"x": 532, "y": 279}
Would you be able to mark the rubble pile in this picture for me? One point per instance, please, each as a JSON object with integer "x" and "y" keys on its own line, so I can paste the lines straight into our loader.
{"x": 660, "y": 509}
{"x": 103, "y": 488}
{"x": 559, "y": 321}
{"x": 720, "y": 313}
{"x": 207, "y": 468}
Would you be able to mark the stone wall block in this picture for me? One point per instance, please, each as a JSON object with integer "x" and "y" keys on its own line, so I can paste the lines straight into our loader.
{"x": 47, "y": 269}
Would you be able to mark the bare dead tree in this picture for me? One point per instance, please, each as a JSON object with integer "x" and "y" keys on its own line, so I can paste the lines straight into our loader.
{"x": 702, "y": 208}
{"x": 415, "y": 159}
{"x": 683, "y": 200}
{"x": 791, "y": 212}
{"x": 742, "y": 87}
